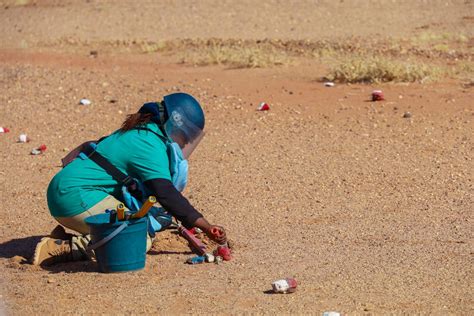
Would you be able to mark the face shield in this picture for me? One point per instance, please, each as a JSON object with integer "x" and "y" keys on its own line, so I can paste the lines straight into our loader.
{"x": 183, "y": 131}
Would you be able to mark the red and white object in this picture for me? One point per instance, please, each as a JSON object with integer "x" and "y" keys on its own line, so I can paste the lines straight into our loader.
{"x": 23, "y": 138}
{"x": 37, "y": 151}
{"x": 264, "y": 106}
{"x": 284, "y": 286}
{"x": 4, "y": 130}
{"x": 377, "y": 95}
{"x": 223, "y": 249}
{"x": 224, "y": 252}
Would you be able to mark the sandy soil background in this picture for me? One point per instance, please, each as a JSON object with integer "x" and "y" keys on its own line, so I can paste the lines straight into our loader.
{"x": 369, "y": 210}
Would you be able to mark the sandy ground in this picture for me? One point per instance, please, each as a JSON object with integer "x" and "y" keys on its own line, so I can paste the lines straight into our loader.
{"x": 247, "y": 19}
{"x": 370, "y": 211}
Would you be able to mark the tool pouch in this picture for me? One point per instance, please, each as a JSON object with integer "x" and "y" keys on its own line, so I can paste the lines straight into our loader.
{"x": 158, "y": 218}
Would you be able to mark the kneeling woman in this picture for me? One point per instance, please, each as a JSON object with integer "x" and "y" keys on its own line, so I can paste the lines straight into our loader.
{"x": 151, "y": 146}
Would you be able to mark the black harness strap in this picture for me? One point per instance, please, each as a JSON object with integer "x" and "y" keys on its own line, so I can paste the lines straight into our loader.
{"x": 111, "y": 169}
{"x": 164, "y": 139}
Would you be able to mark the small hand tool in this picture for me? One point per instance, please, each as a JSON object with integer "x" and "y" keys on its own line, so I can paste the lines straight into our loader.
{"x": 120, "y": 211}
{"x": 145, "y": 207}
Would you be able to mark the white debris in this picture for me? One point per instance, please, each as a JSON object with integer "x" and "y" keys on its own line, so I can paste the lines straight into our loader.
{"x": 218, "y": 259}
{"x": 23, "y": 138}
{"x": 329, "y": 84}
{"x": 210, "y": 257}
{"x": 85, "y": 102}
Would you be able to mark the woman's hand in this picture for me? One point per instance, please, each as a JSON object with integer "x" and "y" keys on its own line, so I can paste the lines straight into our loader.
{"x": 214, "y": 232}
{"x": 217, "y": 234}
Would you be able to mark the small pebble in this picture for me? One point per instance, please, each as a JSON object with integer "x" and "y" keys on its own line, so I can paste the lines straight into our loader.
{"x": 406, "y": 115}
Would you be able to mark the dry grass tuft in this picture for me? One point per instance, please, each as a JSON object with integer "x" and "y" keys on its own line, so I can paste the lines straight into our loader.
{"x": 379, "y": 69}
{"x": 16, "y": 3}
{"x": 153, "y": 47}
{"x": 433, "y": 38}
{"x": 358, "y": 59}
{"x": 236, "y": 57}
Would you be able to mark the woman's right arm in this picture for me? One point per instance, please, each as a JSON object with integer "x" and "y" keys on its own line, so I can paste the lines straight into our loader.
{"x": 177, "y": 205}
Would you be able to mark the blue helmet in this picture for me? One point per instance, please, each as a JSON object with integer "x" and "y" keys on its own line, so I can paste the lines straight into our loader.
{"x": 189, "y": 110}
{"x": 185, "y": 120}
{"x": 181, "y": 117}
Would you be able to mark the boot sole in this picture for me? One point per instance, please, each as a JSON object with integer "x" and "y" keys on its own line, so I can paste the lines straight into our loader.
{"x": 35, "y": 260}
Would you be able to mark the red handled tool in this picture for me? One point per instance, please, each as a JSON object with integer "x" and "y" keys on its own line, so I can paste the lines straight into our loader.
{"x": 194, "y": 243}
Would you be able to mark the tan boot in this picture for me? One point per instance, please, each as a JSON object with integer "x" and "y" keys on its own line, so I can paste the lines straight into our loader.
{"x": 60, "y": 233}
{"x": 50, "y": 251}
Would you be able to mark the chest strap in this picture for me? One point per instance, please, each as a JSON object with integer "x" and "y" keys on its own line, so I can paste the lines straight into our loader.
{"x": 118, "y": 175}
{"x": 111, "y": 169}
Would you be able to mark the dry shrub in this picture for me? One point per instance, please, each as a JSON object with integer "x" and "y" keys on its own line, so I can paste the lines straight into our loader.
{"x": 236, "y": 57}
{"x": 464, "y": 70}
{"x": 17, "y": 3}
{"x": 378, "y": 69}
{"x": 152, "y": 47}
{"x": 430, "y": 37}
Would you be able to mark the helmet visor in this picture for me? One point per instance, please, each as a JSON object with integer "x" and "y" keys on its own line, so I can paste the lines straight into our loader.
{"x": 189, "y": 147}
{"x": 183, "y": 131}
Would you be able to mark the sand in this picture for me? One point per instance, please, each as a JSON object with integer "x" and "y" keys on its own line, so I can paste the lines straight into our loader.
{"x": 370, "y": 211}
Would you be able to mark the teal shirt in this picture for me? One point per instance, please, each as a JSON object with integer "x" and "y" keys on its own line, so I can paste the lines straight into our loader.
{"x": 82, "y": 183}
